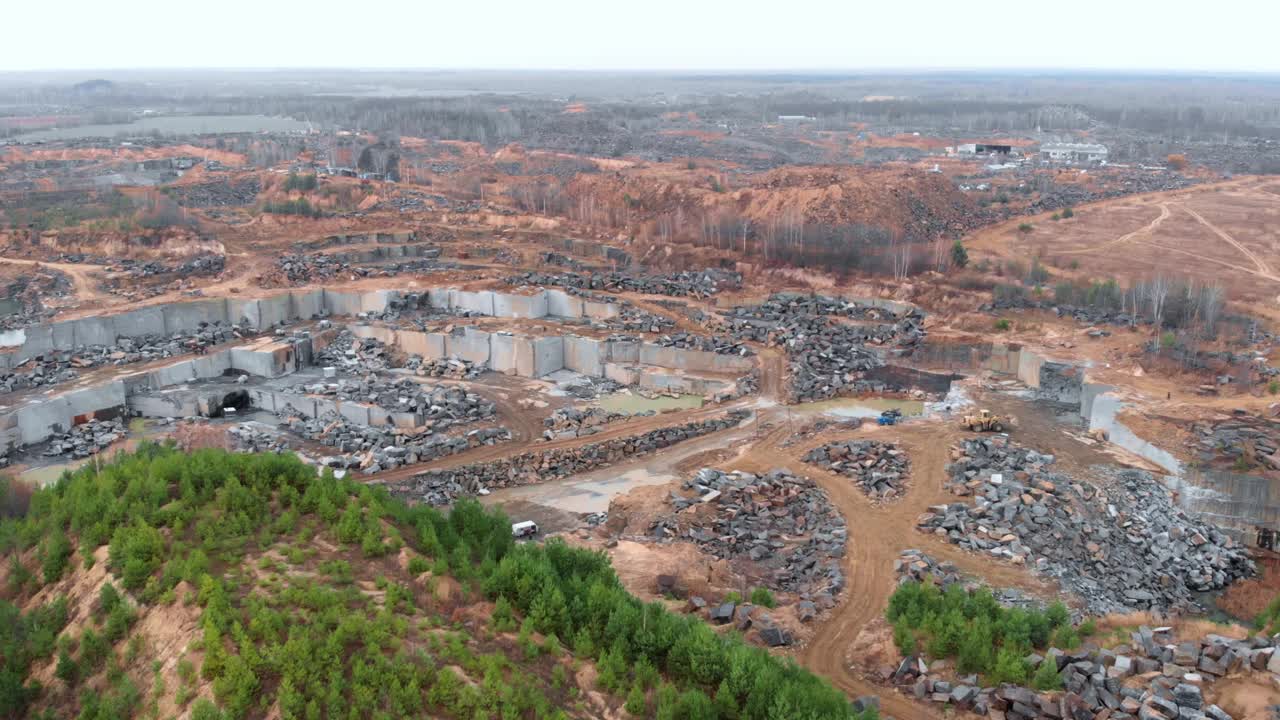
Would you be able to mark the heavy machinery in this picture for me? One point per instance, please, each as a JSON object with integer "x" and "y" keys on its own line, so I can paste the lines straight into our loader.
{"x": 889, "y": 417}
{"x": 984, "y": 421}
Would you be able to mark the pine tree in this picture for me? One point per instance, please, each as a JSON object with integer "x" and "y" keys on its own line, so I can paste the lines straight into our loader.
{"x": 726, "y": 705}
{"x": 636, "y": 704}
{"x": 1010, "y": 668}
{"x": 1047, "y": 676}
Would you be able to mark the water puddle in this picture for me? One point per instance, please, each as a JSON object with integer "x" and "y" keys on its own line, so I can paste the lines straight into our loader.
{"x": 49, "y": 474}
{"x": 583, "y": 495}
{"x": 139, "y": 429}
{"x": 862, "y": 407}
{"x": 632, "y": 404}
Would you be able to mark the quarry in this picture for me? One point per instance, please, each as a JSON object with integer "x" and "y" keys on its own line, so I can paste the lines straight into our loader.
{"x": 953, "y": 422}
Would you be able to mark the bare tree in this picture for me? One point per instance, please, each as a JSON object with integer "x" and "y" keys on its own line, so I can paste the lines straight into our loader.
{"x": 1211, "y": 308}
{"x": 1157, "y": 291}
{"x": 900, "y": 257}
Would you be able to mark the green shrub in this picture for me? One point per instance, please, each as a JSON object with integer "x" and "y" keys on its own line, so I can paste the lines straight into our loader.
{"x": 1003, "y": 324}
{"x": 1047, "y": 676}
{"x": 302, "y": 183}
{"x": 1025, "y": 228}
{"x": 1009, "y": 668}
{"x": 57, "y": 550}
{"x": 761, "y": 596}
{"x": 1068, "y": 212}
{"x": 636, "y": 704}
{"x": 108, "y": 599}
{"x": 972, "y": 627}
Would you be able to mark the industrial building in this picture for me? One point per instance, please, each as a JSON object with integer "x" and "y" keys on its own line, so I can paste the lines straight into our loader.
{"x": 1073, "y": 152}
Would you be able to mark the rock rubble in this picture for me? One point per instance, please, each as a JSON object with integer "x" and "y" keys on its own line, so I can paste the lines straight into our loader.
{"x": 85, "y": 439}
{"x": 1121, "y": 546}
{"x": 441, "y": 487}
{"x": 826, "y": 357}
{"x": 373, "y": 449}
{"x": 880, "y": 469}
{"x": 572, "y": 422}
{"x": 784, "y": 523}
{"x": 1151, "y": 677}
{"x": 436, "y": 407}
{"x": 701, "y": 284}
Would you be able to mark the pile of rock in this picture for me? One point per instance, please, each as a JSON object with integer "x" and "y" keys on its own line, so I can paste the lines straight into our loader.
{"x": 145, "y": 348}
{"x": 1244, "y": 441}
{"x": 56, "y": 367}
{"x": 633, "y": 319}
{"x": 436, "y": 407}
{"x": 683, "y": 284}
{"x": 1121, "y": 547}
{"x": 572, "y": 422}
{"x": 782, "y": 522}
{"x": 744, "y": 616}
{"x": 302, "y": 268}
{"x": 826, "y": 357}
{"x": 450, "y": 367}
{"x": 216, "y": 194}
{"x": 250, "y": 439}
{"x": 377, "y": 448}
{"x": 719, "y": 344}
{"x": 85, "y": 439}
{"x": 1151, "y": 678}
{"x": 441, "y": 487}
{"x": 356, "y": 355}
{"x": 881, "y": 469}
{"x": 199, "y": 265}
{"x": 918, "y": 566}
{"x": 45, "y": 370}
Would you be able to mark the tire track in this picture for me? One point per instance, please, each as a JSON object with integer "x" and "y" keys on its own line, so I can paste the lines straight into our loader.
{"x": 1147, "y": 229}
{"x": 1263, "y": 268}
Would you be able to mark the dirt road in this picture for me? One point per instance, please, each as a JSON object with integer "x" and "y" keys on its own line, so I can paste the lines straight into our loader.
{"x": 877, "y": 536}
{"x": 86, "y": 287}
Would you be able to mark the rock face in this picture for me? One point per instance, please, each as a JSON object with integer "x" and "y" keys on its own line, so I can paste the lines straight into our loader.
{"x": 86, "y": 439}
{"x": 441, "y": 487}
{"x": 57, "y": 367}
{"x": 1150, "y": 678}
{"x": 683, "y": 284}
{"x": 1243, "y": 440}
{"x": 783, "y": 523}
{"x": 880, "y": 469}
{"x": 1120, "y": 546}
{"x": 827, "y": 357}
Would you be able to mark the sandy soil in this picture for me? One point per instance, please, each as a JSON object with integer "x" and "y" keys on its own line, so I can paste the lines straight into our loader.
{"x": 1219, "y": 232}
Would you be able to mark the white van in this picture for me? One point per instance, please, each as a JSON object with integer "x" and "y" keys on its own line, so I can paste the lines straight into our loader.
{"x": 527, "y": 528}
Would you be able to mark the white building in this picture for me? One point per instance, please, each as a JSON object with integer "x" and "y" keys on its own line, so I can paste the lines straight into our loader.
{"x": 1073, "y": 152}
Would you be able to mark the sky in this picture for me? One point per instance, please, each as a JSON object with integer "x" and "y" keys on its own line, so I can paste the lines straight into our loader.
{"x": 1226, "y": 35}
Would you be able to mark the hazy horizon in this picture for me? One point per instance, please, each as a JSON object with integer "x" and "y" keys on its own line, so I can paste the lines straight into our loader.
{"x": 664, "y": 36}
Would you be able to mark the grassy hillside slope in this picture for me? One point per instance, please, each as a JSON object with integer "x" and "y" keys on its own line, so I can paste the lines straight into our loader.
{"x": 216, "y": 585}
